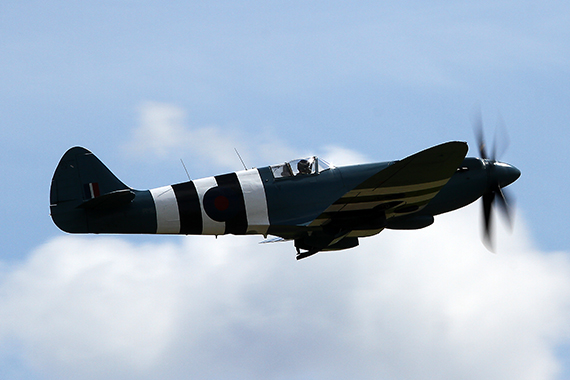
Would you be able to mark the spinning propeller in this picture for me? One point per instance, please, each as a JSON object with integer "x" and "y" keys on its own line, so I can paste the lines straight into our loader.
{"x": 499, "y": 175}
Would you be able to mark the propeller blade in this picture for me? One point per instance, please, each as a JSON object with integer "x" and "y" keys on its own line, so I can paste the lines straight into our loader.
{"x": 494, "y": 151}
{"x": 505, "y": 205}
{"x": 488, "y": 199}
{"x": 478, "y": 128}
{"x": 502, "y": 140}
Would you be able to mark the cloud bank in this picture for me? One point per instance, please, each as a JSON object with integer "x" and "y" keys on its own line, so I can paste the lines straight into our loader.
{"x": 417, "y": 304}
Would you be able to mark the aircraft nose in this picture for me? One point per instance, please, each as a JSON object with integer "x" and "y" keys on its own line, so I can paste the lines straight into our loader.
{"x": 506, "y": 173}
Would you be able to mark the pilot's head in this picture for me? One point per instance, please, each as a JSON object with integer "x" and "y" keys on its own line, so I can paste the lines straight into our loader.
{"x": 304, "y": 167}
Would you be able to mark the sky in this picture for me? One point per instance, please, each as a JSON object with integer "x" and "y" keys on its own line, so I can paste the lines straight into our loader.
{"x": 145, "y": 84}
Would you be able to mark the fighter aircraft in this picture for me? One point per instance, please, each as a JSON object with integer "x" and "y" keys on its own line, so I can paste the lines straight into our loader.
{"x": 318, "y": 206}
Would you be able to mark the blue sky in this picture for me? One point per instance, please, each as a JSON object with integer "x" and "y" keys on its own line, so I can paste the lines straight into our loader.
{"x": 143, "y": 84}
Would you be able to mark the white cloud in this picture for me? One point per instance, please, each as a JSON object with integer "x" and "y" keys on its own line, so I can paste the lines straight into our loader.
{"x": 164, "y": 131}
{"x": 161, "y": 128}
{"x": 406, "y": 304}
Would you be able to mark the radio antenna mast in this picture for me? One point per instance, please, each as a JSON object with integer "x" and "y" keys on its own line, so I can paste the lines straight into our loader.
{"x": 186, "y": 170}
{"x": 245, "y": 167}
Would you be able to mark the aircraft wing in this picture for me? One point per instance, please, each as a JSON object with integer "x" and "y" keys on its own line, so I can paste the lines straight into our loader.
{"x": 402, "y": 188}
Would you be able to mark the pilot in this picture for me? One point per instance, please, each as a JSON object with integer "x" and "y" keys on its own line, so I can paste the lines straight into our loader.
{"x": 304, "y": 167}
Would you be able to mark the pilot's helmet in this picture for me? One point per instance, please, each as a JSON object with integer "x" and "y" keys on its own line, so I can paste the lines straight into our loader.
{"x": 304, "y": 167}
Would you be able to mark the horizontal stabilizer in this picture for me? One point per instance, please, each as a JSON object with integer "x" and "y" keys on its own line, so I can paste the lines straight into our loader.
{"x": 110, "y": 200}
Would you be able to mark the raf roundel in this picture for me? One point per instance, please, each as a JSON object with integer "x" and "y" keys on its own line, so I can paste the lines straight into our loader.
{"x": 221, "y": 204}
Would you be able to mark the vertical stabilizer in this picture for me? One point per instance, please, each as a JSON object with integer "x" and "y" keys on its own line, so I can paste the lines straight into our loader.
{"x": 86, "y": 196}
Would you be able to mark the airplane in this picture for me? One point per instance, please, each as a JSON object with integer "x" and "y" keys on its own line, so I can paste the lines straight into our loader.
{"x": 318, "y": 206}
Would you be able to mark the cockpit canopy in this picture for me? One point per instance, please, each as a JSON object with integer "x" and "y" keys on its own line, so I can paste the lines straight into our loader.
{"x": 302, "y": 166}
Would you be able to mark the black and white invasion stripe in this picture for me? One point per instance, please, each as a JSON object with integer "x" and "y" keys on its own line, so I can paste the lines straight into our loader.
{"x": 232, "y": 203}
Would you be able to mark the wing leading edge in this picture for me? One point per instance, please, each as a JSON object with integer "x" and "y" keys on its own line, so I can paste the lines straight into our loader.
{"x": 403, "y": 188}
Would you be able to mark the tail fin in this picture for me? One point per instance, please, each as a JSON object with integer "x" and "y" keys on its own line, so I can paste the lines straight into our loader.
{"x": 81, "y": 183}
